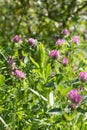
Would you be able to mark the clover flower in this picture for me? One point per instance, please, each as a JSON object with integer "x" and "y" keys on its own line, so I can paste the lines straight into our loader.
{"x": 65, "y": 31}
{"x": 16, "y": 39}
{"x": 74, "y": 98}
{"x": 32, "y": 42}
{"x": 54, "y": 54}
{"x": 59, "y": 41}
{"x": 65, "y": 61}
{"x": 18, "y": 73}
{"x": 83, "y": 76}
{"x": 76, "y": 40}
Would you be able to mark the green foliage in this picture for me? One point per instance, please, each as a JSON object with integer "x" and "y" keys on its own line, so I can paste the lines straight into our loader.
{"x": 40, "y": 101}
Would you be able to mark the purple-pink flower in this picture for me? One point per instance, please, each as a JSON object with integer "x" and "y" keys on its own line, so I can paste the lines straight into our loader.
{"x": 83, "y": 76}
{"x": 74, "y": 98}
{"x": 31, "y": 41}
{"x": 54, "y": 54}
{"x": 65, "y": 61}
{"x": 17, "y": 38}
{"x": 65, "y": 31}
{"x": 76, "y": 40}
{"x": 18, "y": 73}
{"x": 59, "y": 41}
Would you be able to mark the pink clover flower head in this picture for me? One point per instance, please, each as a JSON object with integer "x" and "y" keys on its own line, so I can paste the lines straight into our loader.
{"x": 83, "y": 76}
{"x": 65, "y": 61}
{"x": 59, "y": 41}
{"x": 16, "y": 39}
{"x": 31, "y": 41}
{"x": 65, "y": 31}
{"x": 54, "y": 54}
{"x": 18, "y": 73}
{"x": 76, "y": 40}
{"x": 74, "y": 96}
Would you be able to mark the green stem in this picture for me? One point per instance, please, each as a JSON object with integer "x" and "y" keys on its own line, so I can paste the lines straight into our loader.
{"x": 3, "y": 55}
{"x": 4, "y": 123}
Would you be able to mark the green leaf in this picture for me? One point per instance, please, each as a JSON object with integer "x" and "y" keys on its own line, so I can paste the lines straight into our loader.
{"x": 49, "y": 84}
{"x": 2, "y": 109}
{"x": 2, "y": 80}
{"x": 20, "y": 114}
{"x": 34, "y": 126}
{"x": 57, "y": 111}
{"x": 63, "y": 90}
{"x": 82, "y": 110}
{"x": 39, "y": 95}
{"x": 41, "y": 55}
{"x": 47, "y": 71}
{"x": 66, "y": 117}
{"x": 75, "y": 81}
{"x": 34, "y": 62}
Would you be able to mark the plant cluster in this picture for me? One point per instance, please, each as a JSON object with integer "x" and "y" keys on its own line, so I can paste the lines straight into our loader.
{"x": 43, "y": 87}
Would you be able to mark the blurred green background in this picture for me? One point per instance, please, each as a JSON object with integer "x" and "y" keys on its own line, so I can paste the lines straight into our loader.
{"x": 42, "y": 19}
